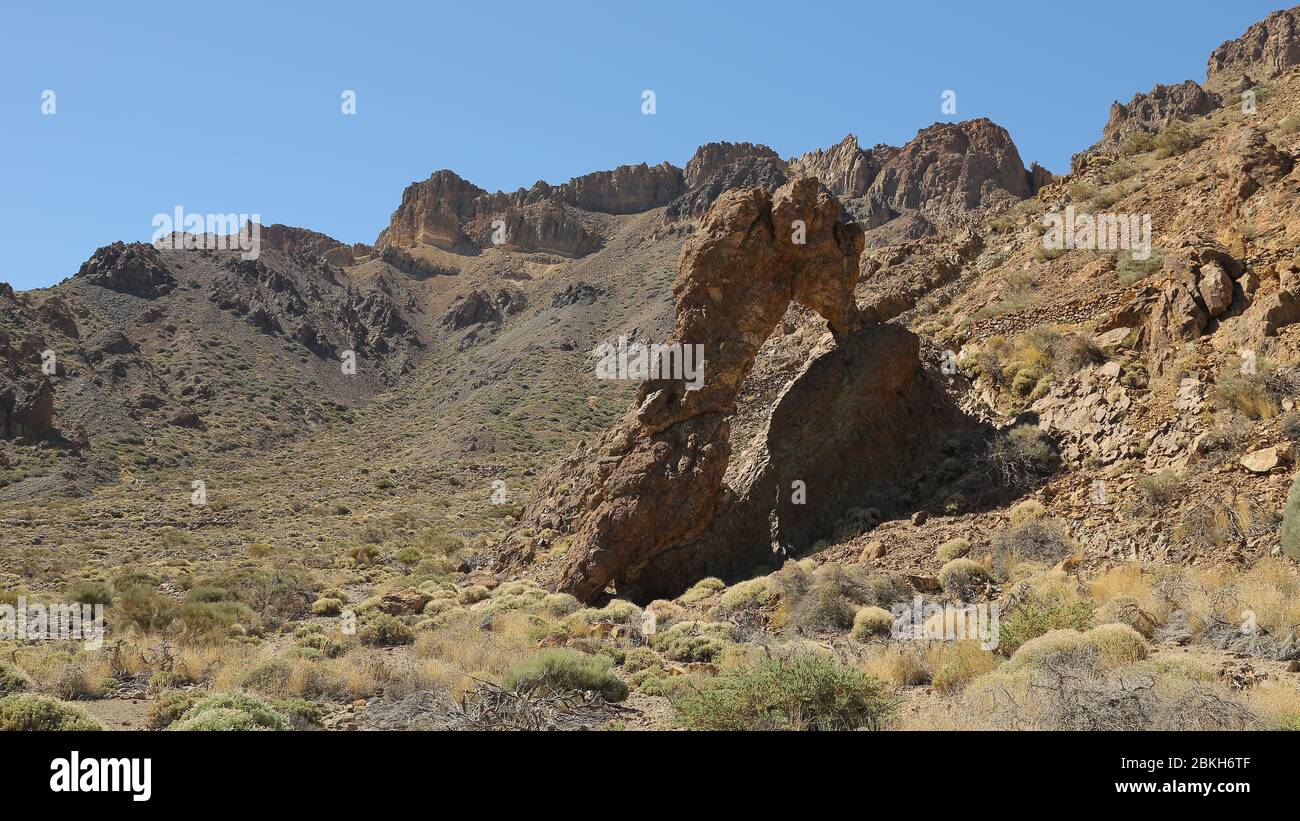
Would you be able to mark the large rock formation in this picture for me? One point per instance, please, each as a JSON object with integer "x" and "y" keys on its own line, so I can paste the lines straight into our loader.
{"x": 1156, "y": 110}
{"x": 947, "y": 171}
{"x": 311, "y": 244}
{"x": 720, "y": 167}
{"x": 450, "y": 213}
{"x": 130, "y": 269}
{"x": 1268, "y": 49}
{"x": 646, "y": 506}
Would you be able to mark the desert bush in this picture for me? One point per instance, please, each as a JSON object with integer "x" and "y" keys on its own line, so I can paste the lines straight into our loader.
{"x": 833, "y": 595}
{"x": 952, "y": 549}
{"x": 473, "y": 594}
{"x": 383, "y": 630}
{"x": 1290, "y": 534}
{"x": 963, "y": 577}
{"x": 1067, "y": 647}
{"x": 871, "y": 622}
{"x": 563, "y": 668}
{"x": 170, "y": 706}
{"x": 1037, "y": 540}
{"x": 1158, "y": 490}
{"x": 1129, "y": 269}
{"x": 326, "y": 607}
{"x": 1254, "y": 395}
{"x": 688, "y": 641}
{"x": 28, "y": 712}
{"x": 1126, "y": 610}
{"x": 1022, "y": 512}
{"x": 13, "y": 680}
{"x": 1177, "y": 138}
{"x": 1036, "y": 615}
{"x": 1118, "y": 644}
{"x": 560, "y": 604}
{"x": 956, "y": 664}
{"x": 1138, "y": 143}
{"x": 1020, "y": 457}
{"x": 91, "y": 593}
{"x": 641, "y": 658}
{"x": 214, "y": 620}
{"x": 231, "y": 711}
{"x": 702, "y": 590}
{"x": 744, "y": 599}
{"x": 146, "y": 609}
{"x": 803, "y": 692}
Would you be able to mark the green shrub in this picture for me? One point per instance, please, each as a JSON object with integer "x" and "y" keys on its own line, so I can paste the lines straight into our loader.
{"x": 1160, "y": 489}
{"x": 834, "y": 593}
{"x": 1118, "y": 644}
{"x": 1035, "y": 616}
{"x": 231, "y": 711}
{"x": 1065, "y": 649}
{"x": 214, "y": 620}
{"x": 560, "y": 604}
{"x": 30, "y": 712}
{"x": 326, "y": 607}
{"x": 383, "y": 630}
{"x": 148, "y": 610}
{"x": 473, "y": 594}
{"x": 91, "y": 593}
{"x": 641, "y": 658}
{"x": 870, "y": 622}
{"x": 745, "y": 597}
{"x": 170, "y": 706}
{"x": 702, "y": 590}
{"x": 804, "y": 692}
{"x": 963, "y": 577}
{"x": 13, "y": 680}
{"x": 564, "y": 668}
{"x": 688, "y": 641}
{"x": 952, "y": 549}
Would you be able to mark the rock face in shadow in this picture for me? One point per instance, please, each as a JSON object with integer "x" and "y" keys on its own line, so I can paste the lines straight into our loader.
{"x": 847, "y": 432}
{"x": 640, "y": 501}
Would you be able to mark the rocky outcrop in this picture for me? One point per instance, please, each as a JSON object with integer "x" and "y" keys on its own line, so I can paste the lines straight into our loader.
{"x": 628, "y": 189}
{"x": 450, "y": 213}
{"x": 846, "y": 170}
{"x": 133, "y": 269}
{"x": 478, "y": 307}
{"x": 638, "y": 501}
{"x": 720, "y": 167}
{"x": 1156, "y": 110}
{"x": 950, "y": 169}
{"x": 1197, "y": 288}
{"x": 311, "y": 244}
{"x": 1268, "y": 49}
{"x": 1250, "y": 162}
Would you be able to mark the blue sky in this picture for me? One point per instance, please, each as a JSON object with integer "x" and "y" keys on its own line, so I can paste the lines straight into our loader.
{"x": 236, "y": 107}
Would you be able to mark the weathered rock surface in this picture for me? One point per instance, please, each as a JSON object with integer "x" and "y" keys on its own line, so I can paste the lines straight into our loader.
{"x": 647, "y": 505}
{"x": 1266, "y": 50}
{"x": 130, "y": 269}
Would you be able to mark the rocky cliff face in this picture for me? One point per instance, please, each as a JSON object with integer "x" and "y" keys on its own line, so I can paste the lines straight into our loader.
{"x": 1155, "y": 110}
{"x": 640, "y": 502}
{"x": 846, "y": 170}
{"x": 720, "y": 167}
{"x": 946, "y": 172}
{"x": 950, "y": 169}
{"x": 1267, "y": 50}
{"x": 311, "y": 244}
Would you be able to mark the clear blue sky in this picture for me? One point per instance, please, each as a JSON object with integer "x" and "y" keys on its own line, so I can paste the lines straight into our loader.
{"x": 236, "y": 107}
